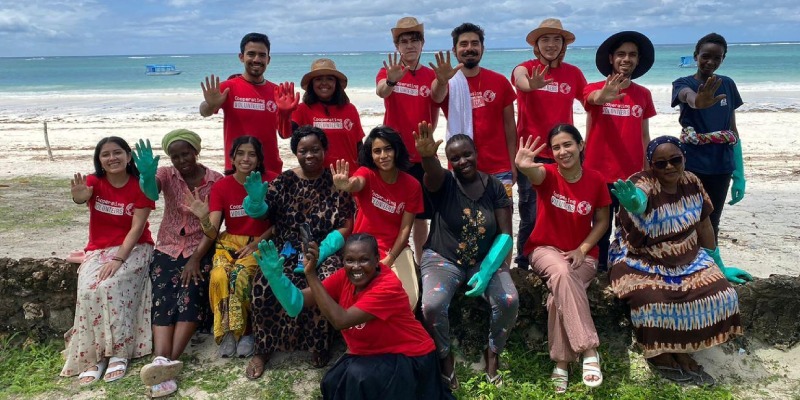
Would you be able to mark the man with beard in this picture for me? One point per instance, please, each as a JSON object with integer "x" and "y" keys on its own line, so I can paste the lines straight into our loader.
{"x": 250, "y": 102}
{"x": 404, "y": 84}
{"x": 546, "y": 88}
{"x": 490, "y": 119}
{"x": 617, "y": 115}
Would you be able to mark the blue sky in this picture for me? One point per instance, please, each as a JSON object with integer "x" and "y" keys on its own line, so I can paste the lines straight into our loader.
{"x": 89, "y": 27}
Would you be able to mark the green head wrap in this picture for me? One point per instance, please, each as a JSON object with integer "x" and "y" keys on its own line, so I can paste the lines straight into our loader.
{"x": 180, "y": 134}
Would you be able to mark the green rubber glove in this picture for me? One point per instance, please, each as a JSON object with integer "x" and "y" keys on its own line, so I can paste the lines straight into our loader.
{"x": 491, "y": 263}
{"x": 737, "y": 188}
{"x": 732, "y": 274}
{"x": 254, "y": 203}
{"x": 147, "y": 165}
{"x": 271, "y": 264}
{"x": 328, "y": 247}
{"x": 632, "y": 198}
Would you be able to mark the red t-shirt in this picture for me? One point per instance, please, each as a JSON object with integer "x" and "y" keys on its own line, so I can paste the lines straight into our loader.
{"x": 227, "y": 196}
{"x": 394, "y": 329}
{"x": 540, "y": 110}
{"x": 342, "y": 126}
{"x": 111, "y": 212}
{"x": 409, "y": 104}
{"x": 614, "y": 145}
{"x": 564, "y": 211}
{"x": 381, "y": 206}
{"x": 491, "y": 94}
{"x": 251, "y": 110}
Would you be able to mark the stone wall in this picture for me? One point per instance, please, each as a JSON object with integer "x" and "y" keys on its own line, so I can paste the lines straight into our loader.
{"x": 37, "y": 296}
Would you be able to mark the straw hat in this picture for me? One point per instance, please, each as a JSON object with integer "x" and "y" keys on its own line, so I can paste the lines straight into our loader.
{"x": 647, "y": 53}
{"x": 550, "y": 25}
{"x": 320, "y": 67}
{"x": 407, "y": 24}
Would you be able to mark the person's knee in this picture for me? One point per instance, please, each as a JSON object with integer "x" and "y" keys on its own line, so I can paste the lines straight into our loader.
{"x": 433, "y": 307}
{"x": 218, "y": 276}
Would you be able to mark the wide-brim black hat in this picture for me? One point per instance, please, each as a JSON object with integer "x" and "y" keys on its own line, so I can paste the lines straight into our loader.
{"x": 647, "y": 53}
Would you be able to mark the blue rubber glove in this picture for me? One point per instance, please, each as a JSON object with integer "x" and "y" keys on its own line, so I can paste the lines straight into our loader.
{"x": 737, "y": 188}
{"x": 271, "y": 264}
{"x": 732, "y": 274}
{"x": 632, "y": 198}
{"x": 147, "y": 166}
{"x": 491, "y": 263}
{"x": 328, "y": 247}
{"x": 254, "y": 203}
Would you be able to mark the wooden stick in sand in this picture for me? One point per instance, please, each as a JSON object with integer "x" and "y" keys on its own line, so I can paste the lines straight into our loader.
{"x": 47, "y": 143}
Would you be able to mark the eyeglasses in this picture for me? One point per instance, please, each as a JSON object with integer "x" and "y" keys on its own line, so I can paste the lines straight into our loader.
{"x": 662, "y": 164}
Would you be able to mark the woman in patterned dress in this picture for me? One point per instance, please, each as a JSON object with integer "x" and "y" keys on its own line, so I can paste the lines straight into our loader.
{"x": 302, "y": 195}
{"x": 666, "y": 266}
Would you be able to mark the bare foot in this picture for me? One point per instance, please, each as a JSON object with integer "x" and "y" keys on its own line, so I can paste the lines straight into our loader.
{"x": 664, "y": 360}
{"x": 686, "y": 362}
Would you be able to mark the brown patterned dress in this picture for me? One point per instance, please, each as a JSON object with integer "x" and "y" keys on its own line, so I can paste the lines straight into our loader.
{"x": 293, "y": 201}
{"x": 680, "y": 301}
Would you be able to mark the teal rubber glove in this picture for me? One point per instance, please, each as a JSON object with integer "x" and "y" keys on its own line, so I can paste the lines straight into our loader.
{"x": 732, "y": 274}
{"x": 271, "y": 264}
{"x": 491, "y": 263}
{"x": 737, "y": 188}
{"x": 254, "y": 203}
{"x": 328, "y": 247}
{"x": 632, "y": 198}
{"x": 147, "y": 166}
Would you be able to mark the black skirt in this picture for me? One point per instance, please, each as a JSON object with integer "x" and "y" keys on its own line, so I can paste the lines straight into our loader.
{"x": 173, "y": 303}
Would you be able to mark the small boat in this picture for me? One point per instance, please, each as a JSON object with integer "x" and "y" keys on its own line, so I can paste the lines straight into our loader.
{"x": 161, "y": 70}
{"x": 687, "y": 62}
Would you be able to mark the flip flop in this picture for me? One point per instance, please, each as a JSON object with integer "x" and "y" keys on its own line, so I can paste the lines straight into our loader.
{"x": 701, "y": 377}
{"x": 160, "y": 370}
{"x": 163, "y": 389}
{"x": 122, "y": 365}
{"x": 671, "y": 373}
{"x": 451, "y": 381}
{"x": 496, "y": 380}
{"x": 95, "y": 375}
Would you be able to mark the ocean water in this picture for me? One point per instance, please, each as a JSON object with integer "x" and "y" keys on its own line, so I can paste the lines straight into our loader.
{"x": 767, "y": 74}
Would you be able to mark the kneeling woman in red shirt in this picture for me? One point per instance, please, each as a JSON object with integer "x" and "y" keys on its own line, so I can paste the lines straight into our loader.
{"x": 389, "y": 353}
{"x": 572, "y": 214}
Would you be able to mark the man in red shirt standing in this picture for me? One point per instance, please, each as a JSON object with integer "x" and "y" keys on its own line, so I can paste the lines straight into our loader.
{"x": 617, "y": 115}
{"x": 404, "y": 84}
{"x": 248, "y": 102}
{"x": 546, "y": 89}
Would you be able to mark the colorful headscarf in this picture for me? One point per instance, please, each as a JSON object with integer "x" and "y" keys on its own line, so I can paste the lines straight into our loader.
{"x": 181, "y": 134}
{"x": 651, "y": 147}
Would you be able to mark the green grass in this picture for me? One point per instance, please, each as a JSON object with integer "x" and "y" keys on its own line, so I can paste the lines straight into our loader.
{"x": 27, "y": 367}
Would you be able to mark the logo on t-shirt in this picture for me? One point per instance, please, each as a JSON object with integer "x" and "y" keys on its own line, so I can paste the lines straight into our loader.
{"x": 550, "y": 87}
{"x": 348, "y": 124}
{"x": 723, "y": 103}
{"x": 236, "y": 211}
{"x": 359, "y": 326}
{"x": 129, "y": 209}
{"x": 489, "y": 96}
{"x": 618, "y": 110}
{"x": 564, "y": 88}
{"x": 385, "y": 204}
{"x": 328, "y": 123}
{"x": 637, "y": 111}
{"x": 562, "y": 202}
{"x": 584, "y": 208}
{"x": 249, "y": 103}
{"x": 424, "y": 91}
{"x": 271, "y": 106}
{"x": 111, "y": 207}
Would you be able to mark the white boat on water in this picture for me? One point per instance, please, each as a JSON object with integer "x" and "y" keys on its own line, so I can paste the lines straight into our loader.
{"x": 161, "y": 70}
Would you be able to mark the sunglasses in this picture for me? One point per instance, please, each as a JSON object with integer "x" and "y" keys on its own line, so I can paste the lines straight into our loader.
{"x": 662, "y": 164}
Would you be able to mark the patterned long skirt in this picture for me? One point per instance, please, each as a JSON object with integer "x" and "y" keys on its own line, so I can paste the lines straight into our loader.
{"x": 230, "y": 286}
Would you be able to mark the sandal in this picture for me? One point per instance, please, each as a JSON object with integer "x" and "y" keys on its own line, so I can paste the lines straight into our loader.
{"x": 94, "y": 374}
{"x": 160, "y": 370}
{"x": 122, "y": 365}
{"x": 591, "y": 370}
{"x": 497, "y": 379}
{"x": 163, "y": 389}
{"x": 671, "y": 373}
{"x": 255, "y": 370}
{"x": 560, "y": 379}
{"x": 701, "y": 377}
{"x": 319, "y": 359}
{"x": 451, "y": 381}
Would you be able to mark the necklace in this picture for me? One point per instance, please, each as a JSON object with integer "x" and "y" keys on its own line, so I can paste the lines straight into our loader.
{"x": 571, "y": 179}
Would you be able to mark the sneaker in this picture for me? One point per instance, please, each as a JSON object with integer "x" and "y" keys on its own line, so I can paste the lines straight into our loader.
{"x": 227, "y": 348}
{"x": 245, "y": 346}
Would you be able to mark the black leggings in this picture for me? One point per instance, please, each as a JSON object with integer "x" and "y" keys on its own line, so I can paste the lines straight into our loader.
{"x": 716, "y": 186}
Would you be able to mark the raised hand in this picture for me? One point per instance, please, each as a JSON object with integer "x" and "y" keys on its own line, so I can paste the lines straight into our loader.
{"x": 211, "y": 93}
{"x": 537, "y": 80}
{"x": 705, "y": 93}
{"x": 395, "y": 70}
{"x": 80, "y": 192}
{"x": 310, "y": 258}
{"x": 444, "y": 69}
{"x": 268, "y": 260}
{"x": 341, "y": 175}
{"x": 143, "y": 157}
{"x": 255, "y": 187}
{"x": 195, "y": 203}
{"x": 286, "y": 98}
{"x": 611, "y": 90}
{"x": 630, "y": 197}
{"x": 527, "y": 152}
{"x": 424, "y": 142}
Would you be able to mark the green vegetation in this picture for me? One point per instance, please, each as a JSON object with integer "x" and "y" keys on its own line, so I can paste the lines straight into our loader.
{"x": 46, "y": 203}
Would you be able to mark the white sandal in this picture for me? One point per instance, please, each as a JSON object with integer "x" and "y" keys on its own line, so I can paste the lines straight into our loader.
{"x": 162, "y": 389}
{"x": 95, "y": 375}
{"x": 160, "y": 370}
{"x": 560, "y": 379}
{"x": 122, "y": 365}
{"x": 591, "y": 370}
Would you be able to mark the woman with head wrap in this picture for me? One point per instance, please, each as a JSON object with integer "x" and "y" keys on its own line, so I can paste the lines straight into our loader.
{"x": 666, "y": 266}
{"x": 181, "y": 261}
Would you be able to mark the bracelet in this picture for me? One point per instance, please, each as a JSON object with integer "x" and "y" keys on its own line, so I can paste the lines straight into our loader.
{"x": 391, "y": 83}
{"x": 115, "y": 258}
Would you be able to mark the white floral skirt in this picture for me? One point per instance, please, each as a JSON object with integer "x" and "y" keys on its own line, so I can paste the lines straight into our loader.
{"x": 112, "y": 317}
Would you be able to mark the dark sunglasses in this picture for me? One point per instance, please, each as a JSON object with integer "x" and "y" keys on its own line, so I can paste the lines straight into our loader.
{"x": 662, "y": 164}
